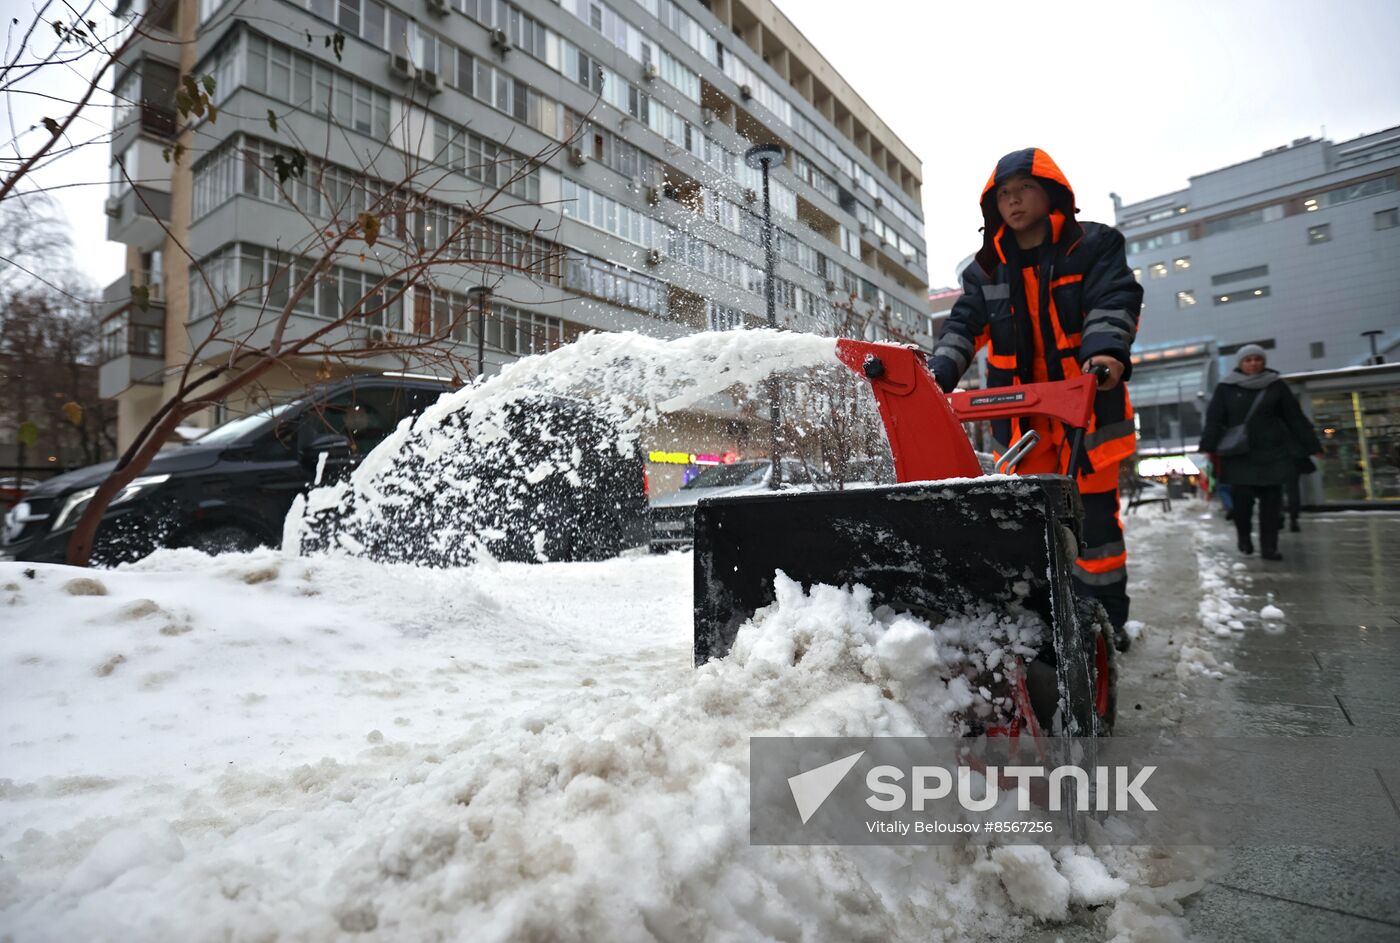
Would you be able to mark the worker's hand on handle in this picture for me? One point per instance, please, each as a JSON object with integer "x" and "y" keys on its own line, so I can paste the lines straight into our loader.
{"x": 1109, "y": 369}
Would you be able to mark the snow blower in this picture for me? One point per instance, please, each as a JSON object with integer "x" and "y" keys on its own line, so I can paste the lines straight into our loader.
{"x": 946, "y": 540}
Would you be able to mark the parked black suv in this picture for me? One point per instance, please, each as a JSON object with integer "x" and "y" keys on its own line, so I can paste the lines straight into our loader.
{"x": 230, "y": 489}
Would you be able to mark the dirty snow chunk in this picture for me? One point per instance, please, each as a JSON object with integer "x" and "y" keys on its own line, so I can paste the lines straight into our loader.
{"x": 1199, "y": 661}
{"x": 1089, "y": 881}
{"x": 1133, "y": 628}
{"x": 84, "y": 586}
{"x": 1271, "y": 612}
{"x": 122, "y": 851}
{"x": 1031, "y": 881}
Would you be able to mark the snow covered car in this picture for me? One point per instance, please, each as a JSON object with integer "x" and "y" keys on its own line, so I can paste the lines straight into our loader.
{"x": 230, "y": 488}
{"x": 673, "y": 516}
{"x": 530, "y": 478}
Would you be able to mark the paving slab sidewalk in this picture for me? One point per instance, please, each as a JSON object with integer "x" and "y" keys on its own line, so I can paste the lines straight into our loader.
{"x": 1333, "y": 670}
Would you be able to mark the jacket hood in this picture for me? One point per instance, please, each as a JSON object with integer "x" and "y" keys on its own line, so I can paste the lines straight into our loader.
{"x": 1035, "y": 163}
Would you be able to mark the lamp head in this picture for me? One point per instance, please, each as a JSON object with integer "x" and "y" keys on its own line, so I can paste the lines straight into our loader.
{"x": 763, "y": 156}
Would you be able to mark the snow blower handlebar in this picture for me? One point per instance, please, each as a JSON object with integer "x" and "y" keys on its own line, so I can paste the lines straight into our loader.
{"x": 924, "y": 425}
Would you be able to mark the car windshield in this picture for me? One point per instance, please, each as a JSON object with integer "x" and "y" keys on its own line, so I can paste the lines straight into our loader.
{"x": 724, "y": 476}
{"x": 236, "y": 428}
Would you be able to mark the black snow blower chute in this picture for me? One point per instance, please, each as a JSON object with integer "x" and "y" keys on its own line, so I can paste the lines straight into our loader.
{"x": 946, "y": 540}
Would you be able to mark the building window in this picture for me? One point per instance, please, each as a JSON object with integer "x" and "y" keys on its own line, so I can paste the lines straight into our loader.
{"x": 1174, "y": 238}
{"x": 1322, "y": 233}
{"x": 1137, "y": 274}
{"x": 1317, "y": 349}
{"x": 1158, "y": 270}
{"x": 1185, "y": 299}
{"x": 621, "y": 286}
{"x": 1239, "y": 275}
{"x": 720, "y": 317}
{"x": 520, "y": 332}
{"x": 1358, "y": 191}
{"x": 1387, "y": 219}
{"x": 1182, "y": 264}
{"x": 1264, "y": 214}
{"x": 1244, "y": 294}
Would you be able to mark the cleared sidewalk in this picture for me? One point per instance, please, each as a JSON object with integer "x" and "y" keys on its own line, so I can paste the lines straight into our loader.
{"x": 1332, "y": 670}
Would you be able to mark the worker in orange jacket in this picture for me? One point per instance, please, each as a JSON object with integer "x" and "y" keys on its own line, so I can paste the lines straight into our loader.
{"x": 1053, "y": 297}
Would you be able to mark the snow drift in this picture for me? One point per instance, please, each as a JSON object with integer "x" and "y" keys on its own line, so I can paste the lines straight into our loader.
{"x": 461, "y": 758}
{"x": 268, "y": 747}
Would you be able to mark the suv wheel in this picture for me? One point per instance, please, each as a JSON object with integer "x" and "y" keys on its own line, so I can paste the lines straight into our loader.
{"x": 227, "y": 538}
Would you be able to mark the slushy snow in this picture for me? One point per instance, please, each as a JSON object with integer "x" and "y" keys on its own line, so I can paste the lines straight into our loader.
{"x": 266, "y": 747}
{"x": 294, "y": 749}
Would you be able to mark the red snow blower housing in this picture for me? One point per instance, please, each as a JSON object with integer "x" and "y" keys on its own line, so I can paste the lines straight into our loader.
{"x": 946, "y": 540}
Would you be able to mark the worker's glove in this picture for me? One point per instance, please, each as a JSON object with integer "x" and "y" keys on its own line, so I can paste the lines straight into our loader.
{"x": 945, "y": 373}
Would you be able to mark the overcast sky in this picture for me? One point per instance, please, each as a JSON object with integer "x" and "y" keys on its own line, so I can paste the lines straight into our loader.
{"x": 1129, "y": 97}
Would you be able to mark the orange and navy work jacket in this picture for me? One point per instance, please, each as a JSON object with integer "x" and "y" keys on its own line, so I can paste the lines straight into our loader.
{"x": 1042, "y": 314}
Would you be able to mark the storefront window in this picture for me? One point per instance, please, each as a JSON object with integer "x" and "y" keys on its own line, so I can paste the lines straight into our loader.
{"x": 1360, "y": 434}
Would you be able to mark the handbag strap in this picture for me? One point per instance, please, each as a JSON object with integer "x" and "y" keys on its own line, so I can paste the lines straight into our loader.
{"x": 1255, "y": 405}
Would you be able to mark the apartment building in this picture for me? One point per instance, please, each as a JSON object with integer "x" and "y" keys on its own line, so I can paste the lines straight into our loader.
{"x": 1295, "y": 250}
{"x": 623, "y": 125}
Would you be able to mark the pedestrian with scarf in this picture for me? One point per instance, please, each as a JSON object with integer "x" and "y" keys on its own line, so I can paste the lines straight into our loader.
{"x": 1255, "y": 430}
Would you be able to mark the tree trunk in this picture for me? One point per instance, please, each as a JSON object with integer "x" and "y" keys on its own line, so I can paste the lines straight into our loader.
{"x": 79, "y": 551}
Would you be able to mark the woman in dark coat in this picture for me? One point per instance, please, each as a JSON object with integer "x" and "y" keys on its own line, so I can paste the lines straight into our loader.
{"x": 1277, "y": 433}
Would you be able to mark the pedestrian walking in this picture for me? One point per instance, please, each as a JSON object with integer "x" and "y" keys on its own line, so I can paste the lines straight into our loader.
{"x": 1255, "y": 430}
{"x": 1054, "y": 297}
{"x": 1293, "y": 491}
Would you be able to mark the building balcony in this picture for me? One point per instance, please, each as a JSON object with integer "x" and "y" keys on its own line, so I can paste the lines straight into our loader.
{"x": 144, "y": 102}
{"x": 131, "y": 290}
{"x": 133, "y": 334}
{"x": 133, "y": 215}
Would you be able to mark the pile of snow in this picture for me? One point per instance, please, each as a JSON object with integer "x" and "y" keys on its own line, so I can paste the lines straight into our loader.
{"x": 532, "y": 463}
{"x": 265, "y": 746}
{"x": 262, "y": 747}
{"x": 1222, "y": 615}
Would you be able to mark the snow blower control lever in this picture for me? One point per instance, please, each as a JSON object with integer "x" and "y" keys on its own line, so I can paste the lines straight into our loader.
{"x": 924, "y": 425}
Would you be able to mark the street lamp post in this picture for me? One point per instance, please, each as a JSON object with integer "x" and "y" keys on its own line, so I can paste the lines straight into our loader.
{"x": 761, "y": 157}
{"x": 1180, "y": 421}
{"x": 481, "y": 294}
